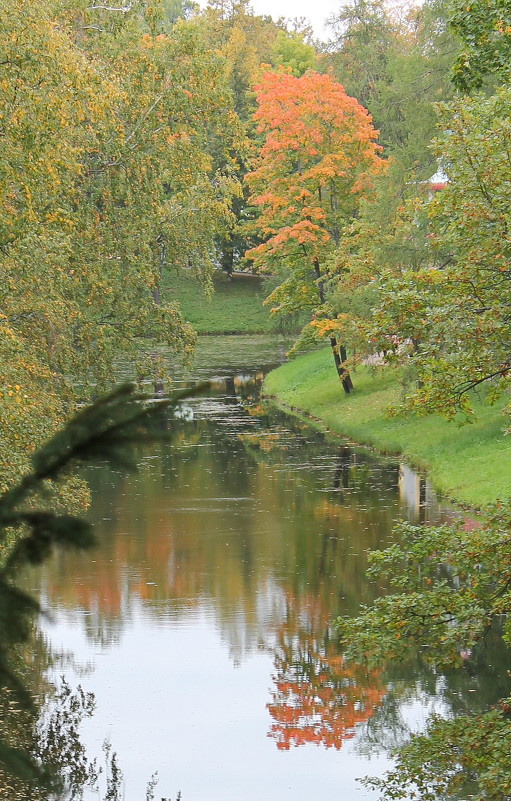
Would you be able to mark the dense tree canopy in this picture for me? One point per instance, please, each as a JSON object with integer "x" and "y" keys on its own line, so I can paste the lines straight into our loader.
{"x": 449, "y": 590}
{"x": 440, "y": 311}
{"x": 453, "y": 310}
{"x": 99, "y": 117}
{"x": 484, "y": 27}
{"x": 398, "y": 67}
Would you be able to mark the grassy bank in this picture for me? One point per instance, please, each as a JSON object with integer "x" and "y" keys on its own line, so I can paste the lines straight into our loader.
{"x": 235, "y": 306}
{"x": 470, "y": 464}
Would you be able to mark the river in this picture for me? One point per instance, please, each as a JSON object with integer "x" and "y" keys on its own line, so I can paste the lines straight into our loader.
{"x": 202, "y": 621}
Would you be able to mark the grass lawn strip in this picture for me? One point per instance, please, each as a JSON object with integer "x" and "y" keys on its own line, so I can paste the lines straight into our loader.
{"x": 234, "y": 307}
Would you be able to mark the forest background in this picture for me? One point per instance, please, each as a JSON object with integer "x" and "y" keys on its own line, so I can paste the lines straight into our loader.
{"x": 369, "y": 177}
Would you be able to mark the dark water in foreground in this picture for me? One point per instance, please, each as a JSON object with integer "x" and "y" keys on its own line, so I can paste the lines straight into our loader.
{"x": 202, "y": 622}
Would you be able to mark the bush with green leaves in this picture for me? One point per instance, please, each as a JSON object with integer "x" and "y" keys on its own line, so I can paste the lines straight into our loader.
{"x": 449, "y": 588}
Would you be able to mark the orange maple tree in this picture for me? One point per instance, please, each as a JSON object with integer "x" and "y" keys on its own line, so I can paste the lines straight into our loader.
{"x": 316, "y": 163}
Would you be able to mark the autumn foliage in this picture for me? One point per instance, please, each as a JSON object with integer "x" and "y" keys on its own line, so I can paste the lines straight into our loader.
{"x": 107, "y": 182}
{"x": 317, "y": 161}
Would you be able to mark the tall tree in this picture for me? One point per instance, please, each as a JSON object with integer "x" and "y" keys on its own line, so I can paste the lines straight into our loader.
{"x": 402, "y": 65}
{"x": 247, "y": 43}
{"x": 54, "y": 104}
{"x": 99, "y": 114}
{"x": 398, "y": 68}
{"x": 451, "y": 312}
{"x": 317, "y": 161}
{"x": 292, "y": 52}
{"x": 363, "y": 36}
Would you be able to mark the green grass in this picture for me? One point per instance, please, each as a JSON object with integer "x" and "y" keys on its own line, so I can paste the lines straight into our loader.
{"x": 235, "y": 307}
{"x": 470, "y": 464}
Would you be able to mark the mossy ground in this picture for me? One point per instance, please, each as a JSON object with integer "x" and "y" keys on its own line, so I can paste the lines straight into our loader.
{"x": 470, "y": 463}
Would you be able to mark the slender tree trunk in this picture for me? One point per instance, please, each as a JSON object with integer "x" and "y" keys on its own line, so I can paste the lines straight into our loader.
{"x": 339, "y": 354}
{"x": 344, "y": 357}
{"x": 159, "y": 389}
{"x": 227, "y": 258}
{"x": 339, "y": 351}
{"x": 319, "y": 280}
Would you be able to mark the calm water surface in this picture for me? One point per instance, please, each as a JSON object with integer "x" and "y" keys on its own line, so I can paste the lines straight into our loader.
{"x": 202, "y": 621}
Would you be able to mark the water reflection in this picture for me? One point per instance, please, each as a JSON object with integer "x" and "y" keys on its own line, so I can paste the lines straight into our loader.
{"x": 317, "y": 698}
{"x": 223, "y": 563}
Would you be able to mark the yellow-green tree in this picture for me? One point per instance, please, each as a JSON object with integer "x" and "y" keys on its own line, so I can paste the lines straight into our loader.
{"x": 107, "y": 182}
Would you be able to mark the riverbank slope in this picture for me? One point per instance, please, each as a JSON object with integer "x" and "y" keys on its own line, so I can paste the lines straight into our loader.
{"x": 470, "y": 464}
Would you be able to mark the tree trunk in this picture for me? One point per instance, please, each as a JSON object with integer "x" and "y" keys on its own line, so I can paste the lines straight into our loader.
{"x": 339, "y": 353}
{"x": 344, "y": 357}
{"x": 159, "y": 389}
{"x": 227, "y": 258}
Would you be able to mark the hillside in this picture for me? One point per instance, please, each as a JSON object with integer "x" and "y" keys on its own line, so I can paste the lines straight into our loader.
{"x": 235, "y": 306}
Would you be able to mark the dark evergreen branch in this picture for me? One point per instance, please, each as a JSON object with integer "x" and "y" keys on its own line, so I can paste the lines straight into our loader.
{"x": 108, "y": 430}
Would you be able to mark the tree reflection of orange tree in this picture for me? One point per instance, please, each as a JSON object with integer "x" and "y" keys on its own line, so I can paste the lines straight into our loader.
{"x": 318, "y": 698}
